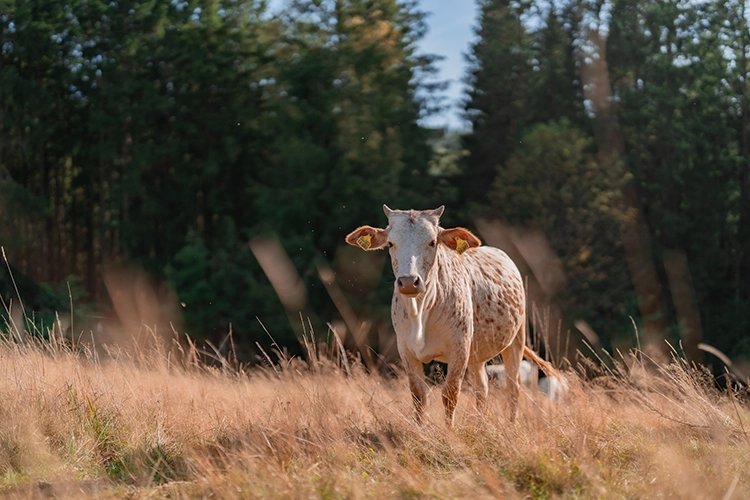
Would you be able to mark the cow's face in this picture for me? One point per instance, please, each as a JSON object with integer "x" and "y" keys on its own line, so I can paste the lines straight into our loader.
{"x": 412, "y": 238}
{"x": 412, "y": 242}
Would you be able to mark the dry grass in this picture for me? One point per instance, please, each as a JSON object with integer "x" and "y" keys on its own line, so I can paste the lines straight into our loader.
{"x": 76, "y": 425}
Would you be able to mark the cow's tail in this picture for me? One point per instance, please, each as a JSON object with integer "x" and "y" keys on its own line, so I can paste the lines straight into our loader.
{"x": 544, "y": 365}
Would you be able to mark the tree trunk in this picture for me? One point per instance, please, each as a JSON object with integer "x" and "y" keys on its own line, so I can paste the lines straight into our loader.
{"x": 743, "y": 243}
{"x": 635, "y": 238}
{"x": 126, "y": 159}
{"x": 685, "y": 303}
{"x": 102, "y": 233}
{"x": 44, "y": 222}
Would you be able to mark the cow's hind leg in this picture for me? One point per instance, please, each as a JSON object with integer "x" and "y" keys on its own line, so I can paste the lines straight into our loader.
{"x": 476, "y": 375}
{"x": 512, "y": 356}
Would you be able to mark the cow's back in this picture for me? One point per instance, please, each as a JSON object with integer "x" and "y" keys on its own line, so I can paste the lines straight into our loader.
{"x": 499, "y": 300}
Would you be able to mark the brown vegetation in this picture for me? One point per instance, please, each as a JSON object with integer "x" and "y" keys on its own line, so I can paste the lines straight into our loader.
{"x": 82, "y": 425}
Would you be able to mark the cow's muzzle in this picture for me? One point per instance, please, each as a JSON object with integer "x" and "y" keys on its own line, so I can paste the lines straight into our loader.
{"x": 410, "y": 284}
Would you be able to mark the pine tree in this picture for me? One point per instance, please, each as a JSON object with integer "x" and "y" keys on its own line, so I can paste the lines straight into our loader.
{"x": 499, "y": 93}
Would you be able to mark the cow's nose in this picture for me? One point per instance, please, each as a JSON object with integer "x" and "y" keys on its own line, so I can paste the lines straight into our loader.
{"x": 409, "y": 284}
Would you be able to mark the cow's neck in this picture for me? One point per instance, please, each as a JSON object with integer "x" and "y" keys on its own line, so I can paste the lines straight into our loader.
{"x": 417, "y": 308}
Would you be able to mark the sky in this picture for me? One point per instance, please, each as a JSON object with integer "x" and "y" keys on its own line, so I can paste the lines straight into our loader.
{"x": 451, "y": 31}
{"x": 450, "y": 34}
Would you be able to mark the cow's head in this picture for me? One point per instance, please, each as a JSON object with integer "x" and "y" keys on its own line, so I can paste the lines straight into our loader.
{"x": 412, "y": 238}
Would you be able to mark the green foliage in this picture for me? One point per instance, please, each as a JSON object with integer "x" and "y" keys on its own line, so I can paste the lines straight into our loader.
{"x": 554, "y": 183}
{"x": 679, "y": 105}
{"x": 172, "y": 133}
{"x": 499, "y": 92}
{"x": 519, "y": 77}
{"x": 682, "y": 113}
{"x": 191, "y": 276}
{"x": 43, "y": 303}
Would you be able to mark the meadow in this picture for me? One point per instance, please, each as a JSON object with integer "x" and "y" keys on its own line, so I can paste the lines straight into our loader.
{"x": 81, "y": 422}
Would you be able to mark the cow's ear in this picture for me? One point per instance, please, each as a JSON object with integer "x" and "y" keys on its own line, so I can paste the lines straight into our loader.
{"x": 367, "y": 238}
{"x": 458, "y": 239}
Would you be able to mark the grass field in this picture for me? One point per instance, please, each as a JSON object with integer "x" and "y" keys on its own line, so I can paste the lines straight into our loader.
{"x": 81, "y": 425}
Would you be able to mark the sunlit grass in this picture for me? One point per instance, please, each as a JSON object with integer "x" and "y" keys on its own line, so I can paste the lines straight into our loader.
{"x": 163, "y": 425}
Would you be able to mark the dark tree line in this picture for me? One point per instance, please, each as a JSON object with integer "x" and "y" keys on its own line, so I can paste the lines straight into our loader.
{"x": 170, "y": 134}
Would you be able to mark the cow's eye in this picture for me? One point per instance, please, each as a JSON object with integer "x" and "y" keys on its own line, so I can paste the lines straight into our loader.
{"x": 390, "y": 244}
{"x": 432, "y": 243}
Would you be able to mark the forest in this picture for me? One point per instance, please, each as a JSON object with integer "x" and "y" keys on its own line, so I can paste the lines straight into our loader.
{"x": 195, "y": 146}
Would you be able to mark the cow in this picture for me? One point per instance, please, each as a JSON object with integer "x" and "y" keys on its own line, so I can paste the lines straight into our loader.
{"x": 526, "y": 373}
{"x": 454, "y": 301}
{"x": 553, "y": 388}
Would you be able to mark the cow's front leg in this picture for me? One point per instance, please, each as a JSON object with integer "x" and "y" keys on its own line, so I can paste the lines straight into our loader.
{"x": 456, "y": 370}
{"x": 417, "y": 383}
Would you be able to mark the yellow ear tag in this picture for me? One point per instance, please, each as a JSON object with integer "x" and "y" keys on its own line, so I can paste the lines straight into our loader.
{"x": 364, "y": 241}
{"x": 461, "y": 245}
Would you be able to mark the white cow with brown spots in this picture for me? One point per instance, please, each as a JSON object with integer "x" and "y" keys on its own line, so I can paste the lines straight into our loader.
{"x": 454, "y": 301}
